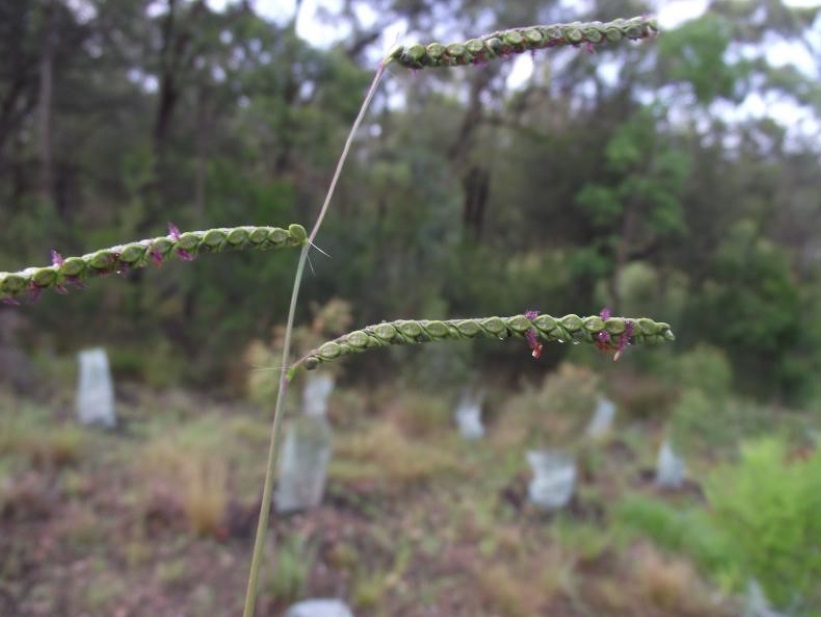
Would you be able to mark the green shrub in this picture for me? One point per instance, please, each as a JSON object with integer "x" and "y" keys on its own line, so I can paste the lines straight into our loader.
{"x": 641, "y": 396}
{"x": 769, "y": 506}
{"x": 700, "y": 422}
{"x": 30, "y": 437}
{"x": 751, "y": 279}
{"x": 686, "y": 532}
{"x": 294, "y": 560}
{"x": 694, "y": 410}
{"x": 570, "y": 390}
{"x": 421, "y": 416}
{"x": 706, "y": 368}
{"x": 555, "y": 414}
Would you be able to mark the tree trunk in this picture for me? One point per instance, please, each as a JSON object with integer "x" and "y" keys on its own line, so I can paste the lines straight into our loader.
{"x": 628, "y": 230}
{"x": 475, "y": 179}
{"x": 284, "y": 161}
{"x": 203, "y": 147}
{"x": 167, "y": 96}
{"x": 477, "y": 189}
{"x": 44, "y": 116}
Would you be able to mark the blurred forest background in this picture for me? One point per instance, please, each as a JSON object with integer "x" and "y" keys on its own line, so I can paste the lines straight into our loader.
{"x": 676, "y": 178}
{"x": 624, "y": 178}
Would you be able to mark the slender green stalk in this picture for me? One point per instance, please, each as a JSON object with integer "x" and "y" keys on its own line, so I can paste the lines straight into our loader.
{"x": 276, "y": 428}
{"x": 273, "y": 448}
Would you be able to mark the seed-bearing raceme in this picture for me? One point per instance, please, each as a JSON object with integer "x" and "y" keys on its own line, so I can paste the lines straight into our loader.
{"x": 519, "y": 40}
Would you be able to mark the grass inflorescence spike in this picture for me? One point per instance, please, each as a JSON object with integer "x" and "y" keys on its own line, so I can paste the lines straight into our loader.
{"x": 72, "y": 271}
{"x": 570, "y": 328}
{"x": 519, "y": 40}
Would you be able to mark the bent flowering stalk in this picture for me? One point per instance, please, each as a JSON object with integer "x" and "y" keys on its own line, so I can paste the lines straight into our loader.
{"x": 72, "y": 271}
{"x": 519, "y": 40}
{"x": 570, "y": 328}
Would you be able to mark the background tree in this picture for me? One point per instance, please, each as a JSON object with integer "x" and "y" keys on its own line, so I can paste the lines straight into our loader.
{"x": 118, "y": 117}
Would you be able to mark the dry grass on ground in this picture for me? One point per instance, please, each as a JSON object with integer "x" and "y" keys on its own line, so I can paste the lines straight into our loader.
{"x": 158, "y": 521}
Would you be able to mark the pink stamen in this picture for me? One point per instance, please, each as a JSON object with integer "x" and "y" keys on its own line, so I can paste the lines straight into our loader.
{"x": 33, "y": 293}
{"x": 532, "y": 336}
{"x": 605, "y": 342}
{"x": 175, "y": 235}
{"x": 624, "y": 339}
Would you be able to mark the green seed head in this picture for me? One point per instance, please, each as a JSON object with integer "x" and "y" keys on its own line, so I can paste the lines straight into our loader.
{"x": 329, "y": 351}
{"x": 73, "y": 266}
{"x": 132, "y": 253}
{"x": 436, "y": 51}
{"x": 12, "y": 283}
{"x": 574, "y": 33}
{"x": 298, "y": 233}
{"x": 258, "y": 236}
{"x": 436, "y": 329}
{"x": 533, "y": 36}
{"x": 101, "y": 259}
{"x": 494, "y": 45}
{"x": 153, "y": 250}
{"x": 395, "y": 52}
{"x": 546, "y": 323}
{"x": 519, "y": 40}
{"x": 384, "y": 331}
{"x": 468, "y": 327}
{"x": 45, "y": 277}
{"x": 411, "y": 329}
{"x": 188, "y": 241}
{"x": 358, "y": 339}
{"x": 593, "y": 35}
{"x": 635, "y": 32}
{"x": 474, "y": 46}
{"x": 519, "y": 323}
{"x": 494, "y": 325}
{"x": 412, "y": 56}
{"x": 567, "y": 328}
{"x": 238, "y": 236}
{"x": 214, "y": 237}
{"x": 594, "y": 323}
{"x": 615, "y": 325}
{"x": 571, "y": 323}
{"x": 514, "y": 39}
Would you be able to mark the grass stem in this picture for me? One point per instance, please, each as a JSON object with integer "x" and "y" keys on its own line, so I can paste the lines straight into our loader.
{"x": 276, "y": 428}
